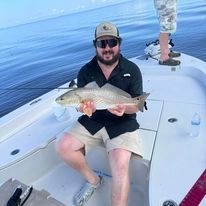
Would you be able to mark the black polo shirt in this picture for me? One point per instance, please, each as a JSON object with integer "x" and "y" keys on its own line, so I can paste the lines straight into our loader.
{"x": 127, "y": 77}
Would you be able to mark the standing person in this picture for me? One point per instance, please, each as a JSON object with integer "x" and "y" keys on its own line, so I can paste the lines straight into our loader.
{"x": 116, "y": 127}
{"x": 167, "y": 16}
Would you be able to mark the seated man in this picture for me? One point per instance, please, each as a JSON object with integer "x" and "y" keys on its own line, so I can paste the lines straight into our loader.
{"x": 116, "y": 127}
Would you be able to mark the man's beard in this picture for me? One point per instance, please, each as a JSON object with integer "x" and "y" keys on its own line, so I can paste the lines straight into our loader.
{"x": 114, "y": 59}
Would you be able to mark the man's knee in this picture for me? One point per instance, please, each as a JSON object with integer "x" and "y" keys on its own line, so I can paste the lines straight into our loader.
{"x": 67, "y": 143}
{"x": 119, "y": 161}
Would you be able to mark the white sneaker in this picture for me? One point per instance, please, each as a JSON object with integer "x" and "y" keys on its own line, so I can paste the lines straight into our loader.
{"x": 84, "y": 194}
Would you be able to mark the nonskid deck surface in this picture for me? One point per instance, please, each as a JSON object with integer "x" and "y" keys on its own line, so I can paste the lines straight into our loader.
{"x": 177, "y": 93}
{"x": 63, "y": 182}
{"x": 184, "y": 83}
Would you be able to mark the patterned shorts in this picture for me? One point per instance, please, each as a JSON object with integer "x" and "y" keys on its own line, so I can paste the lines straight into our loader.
{"x": 167, "y": 15}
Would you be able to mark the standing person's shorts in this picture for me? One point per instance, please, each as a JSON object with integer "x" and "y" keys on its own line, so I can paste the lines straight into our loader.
{"x": 167, "y": 15}
{"x": 130, "y": 141}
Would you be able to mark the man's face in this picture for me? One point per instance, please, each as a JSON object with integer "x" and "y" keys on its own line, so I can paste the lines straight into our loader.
{"x": 107, "y": 50}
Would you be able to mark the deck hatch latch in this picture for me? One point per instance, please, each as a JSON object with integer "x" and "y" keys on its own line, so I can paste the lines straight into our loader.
{"x": 172, "y": 120}
{"x": 14, "y": 152}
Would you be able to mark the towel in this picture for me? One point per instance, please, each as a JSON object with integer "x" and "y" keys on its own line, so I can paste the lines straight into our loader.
{"x": 40, "y": 198}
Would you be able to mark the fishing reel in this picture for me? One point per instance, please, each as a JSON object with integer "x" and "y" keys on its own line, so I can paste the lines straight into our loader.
{"x": 153, "y": 48}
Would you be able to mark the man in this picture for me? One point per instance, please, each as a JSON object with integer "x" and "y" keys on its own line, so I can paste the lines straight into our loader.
{"x": 116, "y": 127}
{"x": 167, "y": 15}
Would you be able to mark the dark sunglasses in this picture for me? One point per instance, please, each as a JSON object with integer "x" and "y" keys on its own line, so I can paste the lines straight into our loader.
{"x": 103, "y": 43}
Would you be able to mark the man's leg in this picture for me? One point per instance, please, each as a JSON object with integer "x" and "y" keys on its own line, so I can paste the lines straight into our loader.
{"x": 71, "y": 150}
{"x": 166, "y": 55}
{"x": 120, "y": 149}
{"x": 164, "y": 48}
{"x": 71, "y": 147}
{"x": 119, "y": 162}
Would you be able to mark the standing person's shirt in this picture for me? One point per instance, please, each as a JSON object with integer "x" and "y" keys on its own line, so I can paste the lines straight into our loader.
{"x": 125, "y": 76}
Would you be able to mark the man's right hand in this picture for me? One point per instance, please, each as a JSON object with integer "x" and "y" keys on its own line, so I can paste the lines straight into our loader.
{"x": 87, "y": 107}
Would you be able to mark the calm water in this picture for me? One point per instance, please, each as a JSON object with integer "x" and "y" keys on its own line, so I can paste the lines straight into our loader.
{"x": 48, "y": 53}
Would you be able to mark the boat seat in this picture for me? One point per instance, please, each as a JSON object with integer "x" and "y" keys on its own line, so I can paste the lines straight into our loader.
{"x": 26, "y": 142}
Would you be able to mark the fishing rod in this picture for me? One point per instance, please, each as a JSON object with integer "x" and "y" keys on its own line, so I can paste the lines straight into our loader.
{"x": 32, "y": 88}
{"x": 71, "y": 84}
{"x": 6, "y": 90}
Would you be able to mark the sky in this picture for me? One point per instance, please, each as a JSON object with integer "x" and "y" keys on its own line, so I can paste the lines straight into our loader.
{"x": 15, "y": 12}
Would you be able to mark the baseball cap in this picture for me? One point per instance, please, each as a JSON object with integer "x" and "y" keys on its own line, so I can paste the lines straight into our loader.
{"x": 106, "y": 29}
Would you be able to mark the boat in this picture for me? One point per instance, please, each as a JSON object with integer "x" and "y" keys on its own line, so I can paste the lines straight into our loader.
{"x": 173, "y": 159}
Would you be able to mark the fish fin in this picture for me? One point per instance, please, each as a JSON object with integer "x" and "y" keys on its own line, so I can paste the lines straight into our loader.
{"x": 141, "y": 105}
{"x": 117, "y": 90}
{"x": 91, "y": 85}
{"x": 145, "y": 95}
{"x": 87, "y": 110}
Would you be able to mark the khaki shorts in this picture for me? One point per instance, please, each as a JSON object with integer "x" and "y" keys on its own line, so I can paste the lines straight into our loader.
{"x": 130, "y": 141}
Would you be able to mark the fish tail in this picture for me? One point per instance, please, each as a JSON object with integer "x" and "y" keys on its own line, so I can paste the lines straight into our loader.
{"x": 140, "y": 104}
{"x": 141, "y": 101}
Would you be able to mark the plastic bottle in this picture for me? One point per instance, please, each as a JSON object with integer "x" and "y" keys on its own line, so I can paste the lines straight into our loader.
{"x": 195, "y": 125}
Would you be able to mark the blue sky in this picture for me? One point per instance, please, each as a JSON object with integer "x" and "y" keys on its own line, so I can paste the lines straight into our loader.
{"x": 15, "y": 12}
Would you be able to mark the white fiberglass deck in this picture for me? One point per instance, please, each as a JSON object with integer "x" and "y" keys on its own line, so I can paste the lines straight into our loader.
{"x": 178, "y": 159}
{"x": 172, "y": 161}
{"x": 63, "y": 183}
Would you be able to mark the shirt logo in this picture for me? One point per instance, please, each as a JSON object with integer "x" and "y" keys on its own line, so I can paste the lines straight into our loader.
{"x": 127, "y": 75}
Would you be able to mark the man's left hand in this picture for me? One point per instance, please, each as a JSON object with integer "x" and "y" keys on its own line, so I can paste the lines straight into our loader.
{"x": 118, "y": 110}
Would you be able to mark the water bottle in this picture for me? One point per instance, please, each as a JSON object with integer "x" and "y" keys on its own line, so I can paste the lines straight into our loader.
{"x": 195, "y": 125}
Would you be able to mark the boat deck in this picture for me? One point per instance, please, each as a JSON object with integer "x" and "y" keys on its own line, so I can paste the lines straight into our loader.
{"x": 62, "y": 182}
{"x": 169, "y": 151}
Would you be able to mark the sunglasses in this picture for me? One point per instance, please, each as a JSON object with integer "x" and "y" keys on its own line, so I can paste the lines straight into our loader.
{"x": 103, "y": 43}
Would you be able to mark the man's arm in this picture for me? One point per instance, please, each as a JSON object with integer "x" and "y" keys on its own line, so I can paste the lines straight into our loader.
{"x": 121, "y": 109}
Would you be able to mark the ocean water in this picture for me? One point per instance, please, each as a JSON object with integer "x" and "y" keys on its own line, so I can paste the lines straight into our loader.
{"x": 36, "y": 57}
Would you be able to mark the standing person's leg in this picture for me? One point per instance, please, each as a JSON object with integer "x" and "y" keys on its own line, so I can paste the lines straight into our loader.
{"x": 164, "y": 48}
{"x": 167, "y": 16}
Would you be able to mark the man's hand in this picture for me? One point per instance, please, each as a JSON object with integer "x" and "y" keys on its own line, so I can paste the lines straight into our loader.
{"x": 87, "y": 107}
{"x": 118, "y": 110}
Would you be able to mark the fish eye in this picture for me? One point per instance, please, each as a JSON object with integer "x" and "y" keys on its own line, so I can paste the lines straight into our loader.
{"x": 61, "y": 98}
